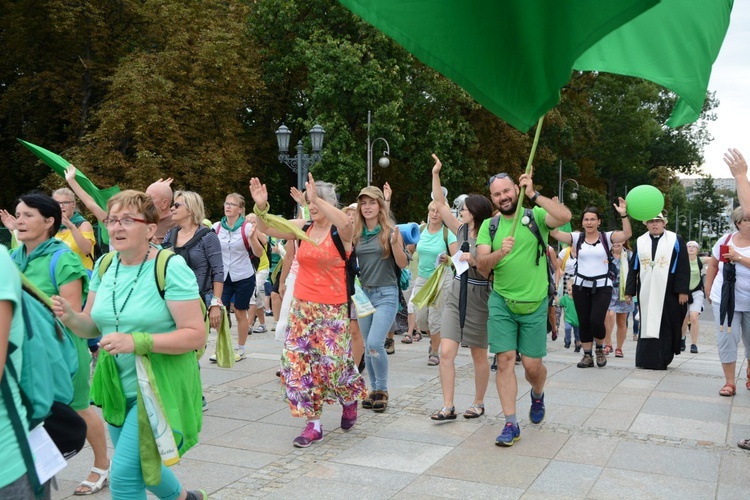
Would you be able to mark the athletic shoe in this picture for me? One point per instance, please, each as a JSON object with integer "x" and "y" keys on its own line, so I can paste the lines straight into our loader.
{"x": 349, "y": 416}
{"x": 536, "y": 413}
{"x": 212, "y": 358}
{"x": 682, "y": 344}
{"x": 390, "y": 346}
{"x": 586, "y": 362}
{"x": 693, "y": 348}
{"x": 601, "y": 358}
{"x": 260, "y": 329}
{"x": 269, "y": 313}
{"x": 205, "y": 404}
{"x": 308, "y": 436}
{"x": 578, "y": 348}
{"x": 239, "y": 354}
{"x": 567, "y": 345}
{"x": 511, "y": 433}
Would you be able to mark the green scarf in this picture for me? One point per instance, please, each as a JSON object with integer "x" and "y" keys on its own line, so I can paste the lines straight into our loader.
{"x": 367, "y": 234}
{"x": 236, "y": 226}
{"x": 47, "y": 247}
{"x": 76, "y": 220}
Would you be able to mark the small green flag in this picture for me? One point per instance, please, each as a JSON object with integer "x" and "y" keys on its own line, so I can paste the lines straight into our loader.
{"x": 675, "y": 44}
{"x": 60, "y": 164}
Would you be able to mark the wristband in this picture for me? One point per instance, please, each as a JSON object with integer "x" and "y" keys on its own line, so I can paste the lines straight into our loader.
{"x": 536, "y": 195}
{"x": 260, "y": 213}
{"x": 215, "y": 301}
{"x": 144, "y": 343}
{"x": 624, "y": 216}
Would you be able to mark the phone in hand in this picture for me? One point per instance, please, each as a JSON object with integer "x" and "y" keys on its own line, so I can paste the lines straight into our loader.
{"x": 723, "y": 250}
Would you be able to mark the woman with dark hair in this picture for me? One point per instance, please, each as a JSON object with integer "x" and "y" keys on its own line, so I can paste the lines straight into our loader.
{"x": 592, "y": 286}
{"x": 475, "y": 210}
{"x": 53, "y": 267}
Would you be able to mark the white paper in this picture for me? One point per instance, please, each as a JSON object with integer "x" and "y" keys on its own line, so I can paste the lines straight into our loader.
{"x": 48, "y": 460}
{"x": 460, "y": 265}
{"x": 439, "y": 258}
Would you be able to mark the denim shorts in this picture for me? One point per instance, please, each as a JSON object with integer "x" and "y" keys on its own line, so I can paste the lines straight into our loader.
{"x": 242, "y": 291}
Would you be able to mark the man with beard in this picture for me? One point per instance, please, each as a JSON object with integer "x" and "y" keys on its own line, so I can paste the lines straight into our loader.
{"x": 660, "y": 275}
{"x": 518, "y": 303}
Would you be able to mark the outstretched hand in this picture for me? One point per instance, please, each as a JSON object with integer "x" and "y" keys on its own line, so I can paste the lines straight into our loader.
{"x": 70, "y": 174}
{"x": 438, "y": 165}
{"x": 167, "y": 182}
{"x": 259, "y": 193}
{"x": 387, "y": 192}
{"x": 298, "y": 196}
{"x": 736, "y": 162}
{"x": 621, "y": 207}
{"x": 8, "y": 220}
{"x": 310, "y": 190}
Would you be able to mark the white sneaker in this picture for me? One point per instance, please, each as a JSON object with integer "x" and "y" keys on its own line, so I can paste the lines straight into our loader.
{"x": 239, "y": 354}
{"x": 212, "y": 358}
{"x": 260, "y": 329}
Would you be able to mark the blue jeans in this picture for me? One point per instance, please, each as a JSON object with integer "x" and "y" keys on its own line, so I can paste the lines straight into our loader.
{"x": 571, "y": 329}
{"x": 374, "y": 328}
{"x": 126, "y": 480}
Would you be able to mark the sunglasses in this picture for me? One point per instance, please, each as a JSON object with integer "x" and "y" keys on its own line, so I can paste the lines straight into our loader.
{"x": 502, "y": 175}
{"x": 178, "y": 205}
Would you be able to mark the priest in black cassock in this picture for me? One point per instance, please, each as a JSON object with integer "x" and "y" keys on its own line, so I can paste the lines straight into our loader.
{"x": 660, "y": 275}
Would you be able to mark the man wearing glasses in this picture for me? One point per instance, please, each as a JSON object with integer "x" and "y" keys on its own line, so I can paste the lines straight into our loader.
{"x": 518, "y": 303}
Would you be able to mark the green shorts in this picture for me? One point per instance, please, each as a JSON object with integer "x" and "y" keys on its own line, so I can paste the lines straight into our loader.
{"x": 81, "y": 384}
{"x": 507, "y": 331}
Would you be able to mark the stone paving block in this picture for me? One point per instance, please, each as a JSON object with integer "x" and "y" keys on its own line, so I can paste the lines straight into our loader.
{"x": 573, "y": 480}
{"x": 601, "y": 378}
{"x": 255, "y": 381}
{"x": 734, "y": 470}
{"x": 407, "y": 456}
{"x": 690, "y": 384}
{"x": 586, "y": 398}
{"x": 682, "y": 428}
{"x": 441, "y": 487}
{"x": 557, "y": 414}
{"x": 665, "y": 460}
{"x": 256, "y": 436}
{"x": 491, "y": 465}
{"x": 220, "y": 376}
{"x": 215, "y": 426}
{"x": 359, "y": 475}
{"x": 611, "y": 419}
{"x": 424, "y": 430}
{"x": 194, "y": 474}
{"x": 330, "y": 419}
{"x": 623, "y": 484}
{"x": 233, "y": 456}
{"x": 589, "y": 450}
{"x": 244, "y": 408}
{"x": 313, "y": 488}
{"x": 665, "y": 404}
{"x": 618, "y": 401}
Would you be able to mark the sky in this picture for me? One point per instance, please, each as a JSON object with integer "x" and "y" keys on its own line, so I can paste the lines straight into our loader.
{"x": 730, "y": 79}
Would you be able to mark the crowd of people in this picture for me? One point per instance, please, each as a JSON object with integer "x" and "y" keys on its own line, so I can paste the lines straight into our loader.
{"x": 338, "y": 281}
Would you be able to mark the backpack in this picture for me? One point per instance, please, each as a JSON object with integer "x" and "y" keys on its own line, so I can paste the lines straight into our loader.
{"x": 47, "y": 354}
{"x": 611, "y": 268}
{"x": 350, "y": 264}
{"x": 53, "y": 266}
{"x": 160, "y": 272}
{"x": 541, "y": 247}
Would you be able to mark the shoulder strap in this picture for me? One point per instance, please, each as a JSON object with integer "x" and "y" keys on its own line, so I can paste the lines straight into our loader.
{"x": 244, "y": 238}
{"x": 105, "y": 262}
{"x": 172, "y": 237}
{"x": 605, "y": 245}
{"x": 337, "y": 241}
{"x": 445, "y": 239}
{"x": 534, "y": 228}
{"x": 53, "y": 265}
{"x": 494, "y": 222}
{"x": 160, "y": 269}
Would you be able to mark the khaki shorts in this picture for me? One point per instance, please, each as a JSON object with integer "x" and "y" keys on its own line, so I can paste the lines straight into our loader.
{"x": 507, "y": 331}
{"x": 430, "y": 318}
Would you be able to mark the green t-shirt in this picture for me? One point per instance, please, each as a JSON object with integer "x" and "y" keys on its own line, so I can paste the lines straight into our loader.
{"x": 145, "y": 310}
{"x": 571, "y": 315}
{"x": 10, "y": 453}
{"x": 429, "y": 247}
{"x": 68, "y": 268}
{"x": 517, "y": 277}
{"x": 695, "y": 274}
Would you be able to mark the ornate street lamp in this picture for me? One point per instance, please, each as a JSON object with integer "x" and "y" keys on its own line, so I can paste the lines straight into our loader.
{"x": 302, "y": 162}
{"x": 383, "y": 161}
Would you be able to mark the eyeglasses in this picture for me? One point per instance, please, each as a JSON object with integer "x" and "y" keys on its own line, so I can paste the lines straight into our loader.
{"x": 230, "y": 204}
{"x": 125, "y": 222}
{"x": 178, "y": 205}
{"x": 66, "y": 203}
{"x": 501, "y": 175}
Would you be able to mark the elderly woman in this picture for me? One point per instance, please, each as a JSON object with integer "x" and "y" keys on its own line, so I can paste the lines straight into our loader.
{"x": 732, "y": 251}
{"x": 75, "y": 231}
{"x": 316, "y": 362}
{"x": 126, "y": 306}
{"x": 695, "y": 303}
{"x": 38, "y": 219}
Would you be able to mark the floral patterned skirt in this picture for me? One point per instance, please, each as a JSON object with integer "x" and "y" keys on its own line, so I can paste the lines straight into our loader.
{"x": 316, "y": 363}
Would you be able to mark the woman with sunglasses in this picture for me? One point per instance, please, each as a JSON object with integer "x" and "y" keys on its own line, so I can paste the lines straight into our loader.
{"x": 126, "y": 307}
{"x": 38, "y": 220}
{"x": 75, "y": 231}
{"x": 474, "y": 211}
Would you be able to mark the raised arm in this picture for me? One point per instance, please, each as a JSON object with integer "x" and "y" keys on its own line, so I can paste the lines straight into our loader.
{"x": 561, "y": 236}
{"x": 86, "y": 199}
{"x": 627, "y": 231}
{"x": 337, "y": 217}
{"x": 449, "y": 219}
{"x": 557, "y": 213}
{"x": 260, "y": 196}
{"x": 738, "y": 166}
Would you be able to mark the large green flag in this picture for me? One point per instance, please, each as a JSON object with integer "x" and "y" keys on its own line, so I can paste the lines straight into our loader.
{"x": 675, "y": 44}
{"x": 60, "y": 164}
{"x": 512, "y": 56}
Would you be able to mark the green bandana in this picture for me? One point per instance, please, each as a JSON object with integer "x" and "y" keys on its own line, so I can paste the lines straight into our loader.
{"x": 47, "y": 247}
{"x": 367, "y": 234}
{"x": 236, "y": 226}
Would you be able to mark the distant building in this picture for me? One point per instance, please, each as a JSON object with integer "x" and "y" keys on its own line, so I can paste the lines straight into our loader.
{"x": 725, "y": 183}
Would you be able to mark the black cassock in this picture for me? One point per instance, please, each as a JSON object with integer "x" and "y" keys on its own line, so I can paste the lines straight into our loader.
{"x": 651, "y": 353}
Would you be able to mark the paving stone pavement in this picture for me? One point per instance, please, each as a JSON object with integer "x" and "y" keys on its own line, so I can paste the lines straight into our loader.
{"x": 612, "y": 432}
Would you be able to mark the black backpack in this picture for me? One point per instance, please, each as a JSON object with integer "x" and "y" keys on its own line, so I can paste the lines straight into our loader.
{"x": 541, "y": 248}
{"x": 611, "y": 268}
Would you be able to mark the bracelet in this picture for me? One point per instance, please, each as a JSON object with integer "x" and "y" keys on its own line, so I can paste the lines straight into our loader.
{"x": 536, "y": 195}
{"x": 260, "y": 213}
{"x": 624, "y": 216}
{"x": 144, "y": 343}
{"x": 216, "y": 301}
{"x": 387, "y": 199}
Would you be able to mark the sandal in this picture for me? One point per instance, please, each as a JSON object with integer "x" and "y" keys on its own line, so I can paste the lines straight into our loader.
{"x": 747, "y": 384}
{"x": 433, "y": 359}
{"x": 608, "y": 349}
{"x": 367, "y": 402}
{"x": 474, "y": 411}
{"x": 445, "y": 414}
{"x": 94, "y": 487}
{"x": 618, "y": 353}
{"x": 407, "y": 339}
{"x": 744, "y": 444}
{"x": 380, "y": 401}
{"x": 728, "y": 390}
{"x": 417, "y": 336}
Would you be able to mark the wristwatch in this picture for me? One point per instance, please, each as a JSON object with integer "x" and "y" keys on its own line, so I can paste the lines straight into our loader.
{"x": 215, "y": 301}
{"x": 536, "y": 195}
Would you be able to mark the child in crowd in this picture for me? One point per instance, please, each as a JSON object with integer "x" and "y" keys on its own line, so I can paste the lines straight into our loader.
{"x": 571, "y": 318}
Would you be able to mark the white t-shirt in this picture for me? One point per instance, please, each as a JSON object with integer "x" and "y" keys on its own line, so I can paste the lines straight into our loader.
{"x": 742, "y": 285}
{"x": 234, "y": 254}
{"x": 592, "y": 260}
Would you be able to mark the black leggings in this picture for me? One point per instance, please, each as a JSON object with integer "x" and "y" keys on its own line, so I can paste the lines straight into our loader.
{"x": 592, "y": 309}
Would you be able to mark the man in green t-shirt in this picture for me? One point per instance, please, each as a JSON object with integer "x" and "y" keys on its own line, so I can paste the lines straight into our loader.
{"x": 518, "y": 303}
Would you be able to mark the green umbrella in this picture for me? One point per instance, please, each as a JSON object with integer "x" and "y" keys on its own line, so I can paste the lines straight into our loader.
{"x": 514, "y": 56}
{"x": 60, "y": 164}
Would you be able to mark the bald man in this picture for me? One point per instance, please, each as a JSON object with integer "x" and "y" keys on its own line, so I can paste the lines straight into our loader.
{"x": 161, "y": 194}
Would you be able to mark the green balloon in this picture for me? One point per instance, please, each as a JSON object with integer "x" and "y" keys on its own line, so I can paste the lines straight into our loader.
{"x": 644, "y": 202}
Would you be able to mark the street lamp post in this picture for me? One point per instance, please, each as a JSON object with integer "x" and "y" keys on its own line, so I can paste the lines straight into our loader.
{"x": 573, "y": 195}
{"x": 302, "y": 162}
{"x": 684, "y": 223}
{"x": 383, "y": 161}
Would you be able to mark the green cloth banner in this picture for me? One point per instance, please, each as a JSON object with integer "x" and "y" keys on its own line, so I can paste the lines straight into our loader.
{"x": 675, "y": 44}
{"x": 514, "y": 56}
{"x": 60, "y": 164}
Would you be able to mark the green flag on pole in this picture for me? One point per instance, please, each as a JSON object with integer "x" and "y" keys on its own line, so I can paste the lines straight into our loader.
{"x": 675, "y": 44}
{"x": 512, "y": 56}
{"x": 60, "y": 164}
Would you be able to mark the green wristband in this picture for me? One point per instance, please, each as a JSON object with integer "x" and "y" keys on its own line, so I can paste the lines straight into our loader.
{"x": 259, "y": 212}
{"x": 144, "y": 343}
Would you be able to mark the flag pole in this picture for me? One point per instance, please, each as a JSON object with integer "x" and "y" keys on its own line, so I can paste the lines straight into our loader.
{"x": 529, "y": 167}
